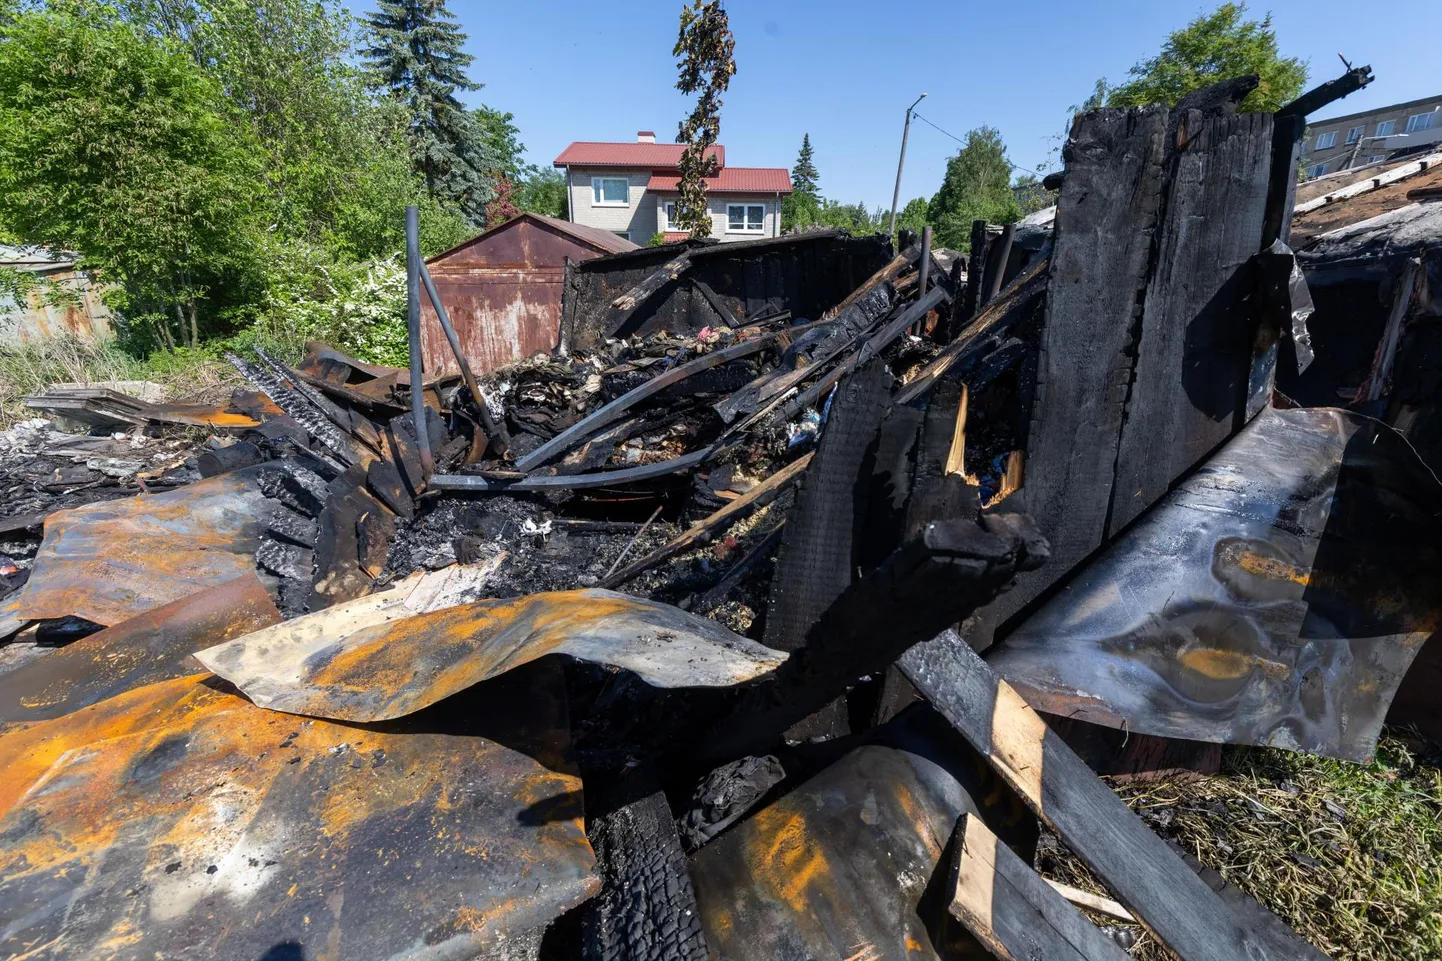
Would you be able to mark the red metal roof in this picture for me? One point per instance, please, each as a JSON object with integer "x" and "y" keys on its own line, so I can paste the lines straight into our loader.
{"x": 585, "y": 153}
{"x": 732, "y": 180}
{"x": 671, "y": 236}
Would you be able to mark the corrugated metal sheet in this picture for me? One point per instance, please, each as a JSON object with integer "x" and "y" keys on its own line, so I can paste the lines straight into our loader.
{"x": 736, "y": 180}
{"x": 503, "y": 290}
{"x": 66, "y": 302}
{"x": 588, "y": 153}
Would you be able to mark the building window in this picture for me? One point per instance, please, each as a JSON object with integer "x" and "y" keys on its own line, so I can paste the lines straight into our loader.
{"x": 745, "y": 218}
{"x": 610, "y": 192}
{"x": 623, "y": 234}
{"x": 1355, "y": 134}
{"x": 1316, "y": 170}
{"x": 671, "y": 223}
{"x": 1385, "y": 128}
{"x": 1419, "y": 121}
{"x": 1325, "y": 140}
{"x": 1376, "y": 158}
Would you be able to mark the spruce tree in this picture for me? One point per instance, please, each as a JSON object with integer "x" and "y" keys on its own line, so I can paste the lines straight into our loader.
{"x": 802, "y": 207}
{"x": 415, "y": 54}
{"x": 803, "y": 175}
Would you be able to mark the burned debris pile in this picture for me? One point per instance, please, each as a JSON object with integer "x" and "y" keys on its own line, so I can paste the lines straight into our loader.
{"x": 774, "y": 614}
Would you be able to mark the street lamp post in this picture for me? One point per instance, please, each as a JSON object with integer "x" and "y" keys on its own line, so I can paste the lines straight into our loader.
{"x": 1357, "y": 148}
{"x": 896, "y": 193}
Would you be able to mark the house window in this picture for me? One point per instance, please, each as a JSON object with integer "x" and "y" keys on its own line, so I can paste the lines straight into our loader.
{"x": 1419, "y": 121}
{"x": 623, "y": 234}
{"x": 745, "y": 218}
{"x": 1376, "y": 158}
{"x": 610, "y": 192}
{"x": 1385, "y": 128}
{"x": 1316, "y": 170}
{"x": 1325, "y": 140}
{"x": 671, "y": 223}
{"x": 1355, "y": 134}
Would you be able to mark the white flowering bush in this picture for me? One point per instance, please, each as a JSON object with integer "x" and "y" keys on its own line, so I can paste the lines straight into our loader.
{"x": 359, "y": 308}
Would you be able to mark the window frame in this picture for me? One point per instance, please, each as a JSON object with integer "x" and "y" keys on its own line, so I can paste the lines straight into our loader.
{"x": 667, "y": 207}
{"x": 746, "y": 227}
{"x": 1354, "y": 134}
{"x": 1329, "y": 144}
{"x": 1316, "y": 170}
{"x": 1391, "y": 126}
{"x": 1376, "y": 158}
{"x": 623, "y": 234}
{"x": 598, "y": 191}
{"x": 1425, "y": 124}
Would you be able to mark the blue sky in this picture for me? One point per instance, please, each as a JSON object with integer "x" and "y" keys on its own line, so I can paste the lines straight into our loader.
{"x": 845, "y": 70}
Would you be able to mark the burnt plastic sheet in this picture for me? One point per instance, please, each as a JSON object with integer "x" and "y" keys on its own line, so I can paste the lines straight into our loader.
{"x": 846, "y": 865}
{"x": 178, "y": 820}
{"x": 149, "y": 647}
{"x": 378, "y": 671}
{"x": 110, "y": 561}
{"x": 1276, "y": 597}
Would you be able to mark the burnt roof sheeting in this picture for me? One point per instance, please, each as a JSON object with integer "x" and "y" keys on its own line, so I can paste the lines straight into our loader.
{"x": 1373, "y": 249}
{"x": 1276, "y": 597}
{"x": 180, "y": 820}
{"x": 386, "y": 670}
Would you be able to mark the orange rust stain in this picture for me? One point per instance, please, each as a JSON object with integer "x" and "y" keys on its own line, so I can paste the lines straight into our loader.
{"x": 785, "y": 856}
{"x": 1224, "y": 665}
{"x": 1272, "y": 569}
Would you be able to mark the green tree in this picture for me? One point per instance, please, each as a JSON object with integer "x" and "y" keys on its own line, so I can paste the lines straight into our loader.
{"x": 977, "y": 186}
{"x": 116, "y": 145}
{"x": 802, "y": 207}
{"x": 913, "y": 215}
{"x": 1216, "y": 46}
{"x": 415, "y": 54}
{"x": 707, "y": 63}
{"x": 1031, "y": 195}
{"x": 543, "y": 192}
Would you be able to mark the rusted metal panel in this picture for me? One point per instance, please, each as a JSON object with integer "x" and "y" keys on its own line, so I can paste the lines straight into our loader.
{"x": 385, "y": 670}
{"x": 65, "y": 303}
{"x": 109, "y": 561}
{"x": 150, "y": 647}
{"x": 840, "y": 866}
{"x": 180, "y": 820}
{"x": 502, "y": 291}
{"x": 1276, "y": 597}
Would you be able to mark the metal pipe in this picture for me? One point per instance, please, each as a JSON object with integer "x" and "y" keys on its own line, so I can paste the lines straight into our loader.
{"x": 896, "y": 193}
{"x": 413, "y": 329}
{"x": 925, "y": 260}
{"x": 495, "y": 432}
{"x": 996, "y": 257}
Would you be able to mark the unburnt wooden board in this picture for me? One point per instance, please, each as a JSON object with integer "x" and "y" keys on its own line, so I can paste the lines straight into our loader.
{"x": 1198, "y": 323}
{"x": 1136, "y": 865}
{"x": 1013, "y": 912}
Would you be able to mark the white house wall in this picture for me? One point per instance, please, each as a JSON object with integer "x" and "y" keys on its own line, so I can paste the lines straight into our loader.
{"x": 717, "y": 204}
{"x": 645, "y": 214}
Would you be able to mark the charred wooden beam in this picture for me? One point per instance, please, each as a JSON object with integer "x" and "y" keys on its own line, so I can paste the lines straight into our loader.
{"x": 935, "y": 580}
{"x": 702, "y": 531}
{"x": 627, "y": 304}
{"x": 608, "y": 478}
{"x": 1137, "y": 866}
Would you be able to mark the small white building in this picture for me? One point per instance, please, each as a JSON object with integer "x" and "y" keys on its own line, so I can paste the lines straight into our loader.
{"x": 630, "y": 189}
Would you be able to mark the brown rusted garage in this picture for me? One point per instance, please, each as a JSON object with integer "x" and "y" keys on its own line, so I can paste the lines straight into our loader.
{"x": 503, "y": 290}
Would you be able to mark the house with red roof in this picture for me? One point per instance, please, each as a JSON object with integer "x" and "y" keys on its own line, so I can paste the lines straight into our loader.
{"x": 631, "y": 189}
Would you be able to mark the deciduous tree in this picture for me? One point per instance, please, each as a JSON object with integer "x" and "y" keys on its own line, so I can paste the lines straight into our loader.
{"x": 706, "y": 50}
{"x": 1216, "y": 46}
{"x": 977, "y": 186}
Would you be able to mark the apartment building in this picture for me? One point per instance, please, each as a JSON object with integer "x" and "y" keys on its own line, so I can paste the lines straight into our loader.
{"x": 1371, "y": 136}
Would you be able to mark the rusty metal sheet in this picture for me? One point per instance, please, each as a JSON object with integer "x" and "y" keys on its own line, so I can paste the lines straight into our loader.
{"x": 389, "y": 670}
{"x": 840, "y": 866}
{"x": 179, "y": 820}
{"x": 1276, "y": 597}
{"x": 201, "y": 415}
{"x": 109, "y": 561}
{"x": 150, "y": 647}
{"x": 501, "y": 316}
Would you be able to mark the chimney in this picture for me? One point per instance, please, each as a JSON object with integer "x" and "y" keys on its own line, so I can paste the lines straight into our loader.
{"x": 645, "y": 136}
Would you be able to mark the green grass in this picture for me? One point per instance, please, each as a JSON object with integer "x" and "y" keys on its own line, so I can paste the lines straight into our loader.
{"x": 1349, "y": 855}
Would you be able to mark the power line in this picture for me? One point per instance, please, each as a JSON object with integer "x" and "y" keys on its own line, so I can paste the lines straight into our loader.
{"x": 963, "y": 142}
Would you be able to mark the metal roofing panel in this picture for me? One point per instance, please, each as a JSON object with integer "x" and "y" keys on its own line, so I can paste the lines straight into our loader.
{"x": 587, "y": 153}
{"x": 734, "y": 180}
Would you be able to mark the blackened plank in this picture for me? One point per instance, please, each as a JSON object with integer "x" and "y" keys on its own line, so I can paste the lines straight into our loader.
{"x": 1016, "y": 914}
{"x": 1136, "y": 865}
{"x": 1106, "y": 219}
{"x": 1199, "y": 319}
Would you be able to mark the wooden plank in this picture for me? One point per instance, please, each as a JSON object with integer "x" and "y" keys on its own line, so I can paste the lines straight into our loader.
{"x": 621, "y": 309}
{"x": 1135, "y": 865}
{"x": 1420, "y": 165}
{"x": 1012, "y": 912}
{"x": 1106, "y": 219}
{"x": 703, "y": 530}
{"x": 1092, "y": 902}
{"x": 717, "y": 304}
{"x": 1380, "y": 376}
{"x": 1199, "y": 320}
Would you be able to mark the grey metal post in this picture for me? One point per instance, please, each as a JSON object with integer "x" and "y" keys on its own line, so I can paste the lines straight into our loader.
{"x": 925, "y": 260}
{"x": 896, "y": 193}
{"x": 413, "y": 328}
